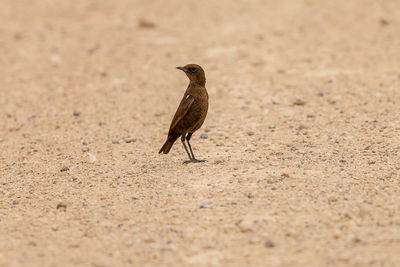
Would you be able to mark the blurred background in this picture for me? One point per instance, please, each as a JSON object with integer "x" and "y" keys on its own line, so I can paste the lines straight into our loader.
{"x": 301, "y": 139}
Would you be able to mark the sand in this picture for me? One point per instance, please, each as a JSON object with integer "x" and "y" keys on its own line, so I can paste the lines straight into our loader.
{"x": 301, "y": 140}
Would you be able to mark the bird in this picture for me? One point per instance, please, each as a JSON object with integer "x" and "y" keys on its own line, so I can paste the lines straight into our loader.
{"x": 191, "y": 112}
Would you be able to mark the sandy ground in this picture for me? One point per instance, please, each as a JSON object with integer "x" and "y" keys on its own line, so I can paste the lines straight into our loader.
{"x": 302, "y": 136}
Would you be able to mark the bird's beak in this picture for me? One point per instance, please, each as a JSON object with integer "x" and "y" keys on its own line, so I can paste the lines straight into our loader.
{"x": 181, "y": 68}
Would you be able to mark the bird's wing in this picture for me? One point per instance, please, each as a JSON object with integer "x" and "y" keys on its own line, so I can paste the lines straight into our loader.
{"x": 183, "y": 108}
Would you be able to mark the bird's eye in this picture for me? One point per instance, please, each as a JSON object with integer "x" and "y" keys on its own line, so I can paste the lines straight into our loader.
{"x": 192, "y": 69}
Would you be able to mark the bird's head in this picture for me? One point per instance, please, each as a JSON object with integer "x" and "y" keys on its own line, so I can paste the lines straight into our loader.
{"x": 195, "y": 73}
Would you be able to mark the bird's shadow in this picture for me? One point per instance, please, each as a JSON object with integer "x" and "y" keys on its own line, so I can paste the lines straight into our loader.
{"x": 194, "y": 161}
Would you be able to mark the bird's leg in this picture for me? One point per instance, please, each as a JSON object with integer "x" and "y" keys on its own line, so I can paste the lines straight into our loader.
{"x": 187, "y": 151}
{"x": 191, "y": 151}
{"x": 188, "y": 136}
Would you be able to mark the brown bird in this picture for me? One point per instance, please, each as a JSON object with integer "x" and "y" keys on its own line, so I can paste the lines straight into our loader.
{"x": 191, "y": 113}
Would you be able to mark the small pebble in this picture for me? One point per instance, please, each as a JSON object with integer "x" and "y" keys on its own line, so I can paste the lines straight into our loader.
{"x": 145, "y": 23}
{"x": 159, "y": 114}
{"x": 301, "y": 127}
{"x": 64, "y": 169}
{"x": 218, "y": 161}
{"x": 115, "y": 142}
{"x": 204, "y": 136}
{"x": 62, "y": 206}
{"x": 76, "y": 113}
{"x": 18, "y": 36}
{"x": 299, "y": 102}
{"x": 275, "y": 101}
{"x": 383, "y": 22}
{"x": 250, "y": 133}
{"x": 149, "y": 240}
{"x": 92, "y": 158}
{"x": 332, "y": 199}
{"x": 245, "y": 225}
{"x": 130, "y": 140}
{"x": 269, "y": 244}
{"x": 15, "y": 202}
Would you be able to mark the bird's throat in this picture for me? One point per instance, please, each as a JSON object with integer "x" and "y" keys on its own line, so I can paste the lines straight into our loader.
{"x": 201, "y": 82}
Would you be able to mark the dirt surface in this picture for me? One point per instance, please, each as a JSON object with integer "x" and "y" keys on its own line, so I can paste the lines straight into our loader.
{"x": 301, "y": 140}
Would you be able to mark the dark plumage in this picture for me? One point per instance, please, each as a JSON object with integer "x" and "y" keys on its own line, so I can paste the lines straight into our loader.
{"x": 192, "y": 111}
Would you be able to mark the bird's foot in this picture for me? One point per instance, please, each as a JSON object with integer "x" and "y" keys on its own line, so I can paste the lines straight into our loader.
{"x": 194, "y": 161}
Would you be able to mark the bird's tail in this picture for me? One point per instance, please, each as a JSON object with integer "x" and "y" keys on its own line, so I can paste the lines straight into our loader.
{"x": 168, "y": 144}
